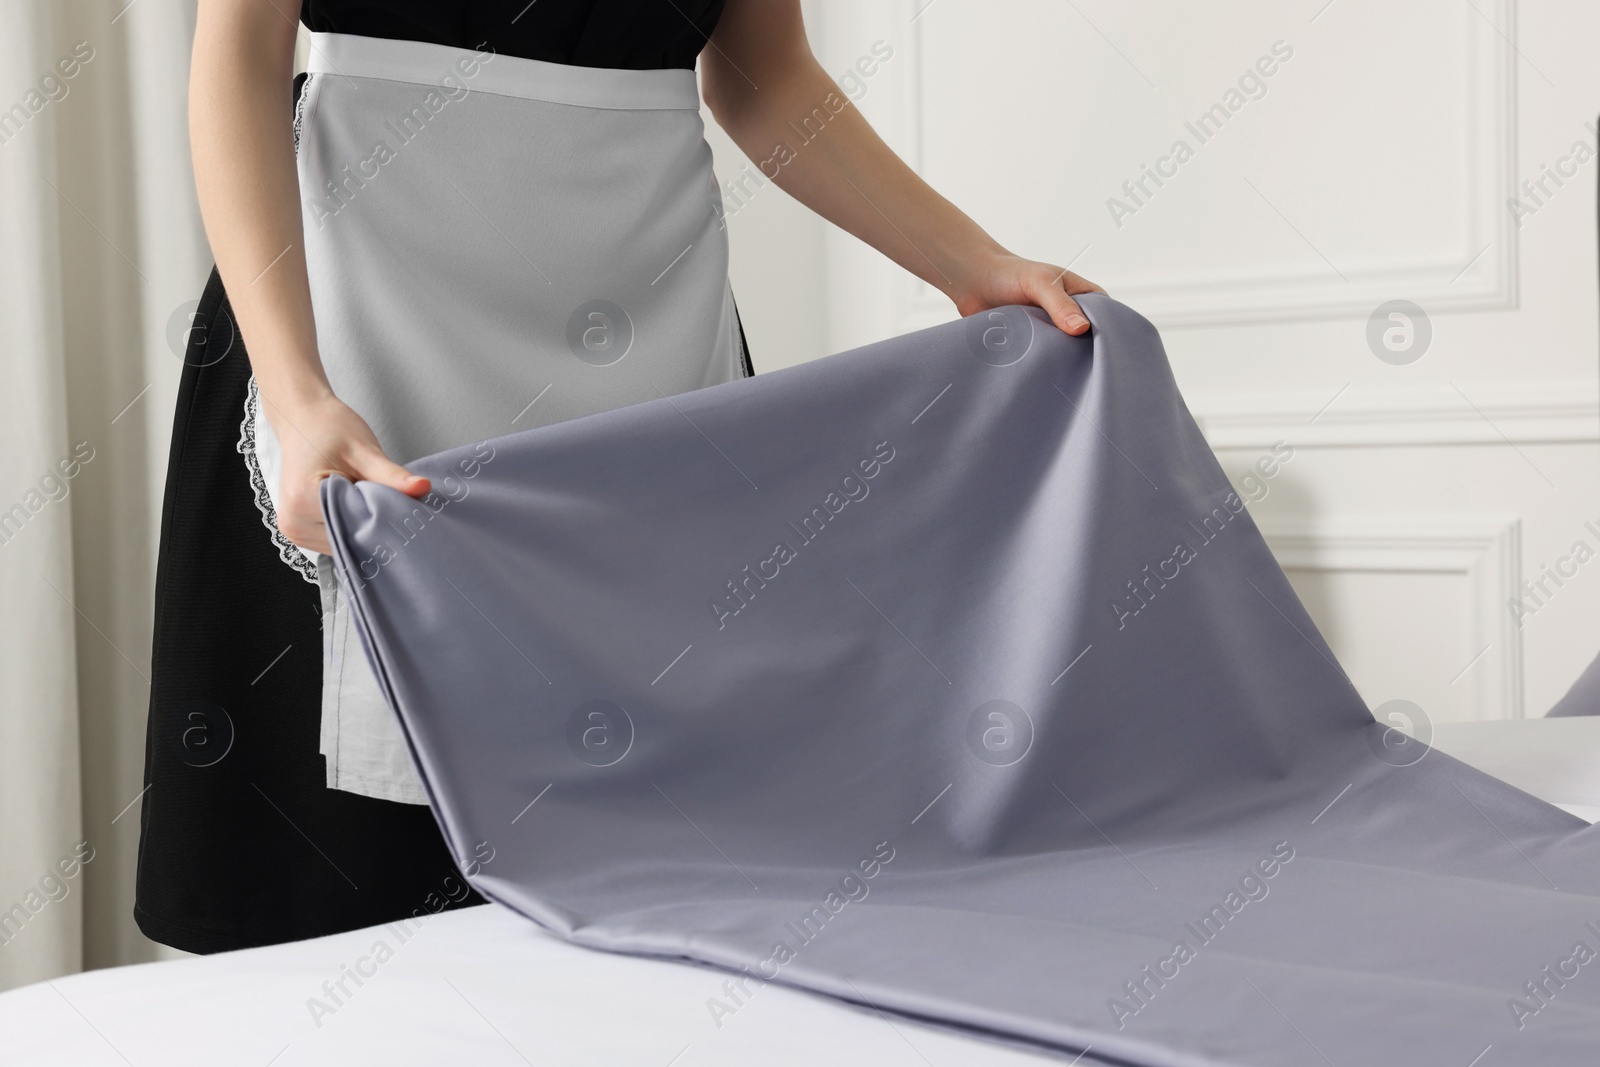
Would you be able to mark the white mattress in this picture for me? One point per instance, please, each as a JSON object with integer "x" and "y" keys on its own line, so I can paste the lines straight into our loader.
{"x": 485, "y": 986}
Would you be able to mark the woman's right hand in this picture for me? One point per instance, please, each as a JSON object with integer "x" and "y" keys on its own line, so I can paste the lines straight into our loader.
{"x": 318, "y": 438}
{"x": 240, "y": 117}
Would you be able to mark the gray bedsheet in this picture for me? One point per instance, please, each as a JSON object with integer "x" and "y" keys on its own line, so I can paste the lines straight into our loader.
{"x": 949, "y": 677}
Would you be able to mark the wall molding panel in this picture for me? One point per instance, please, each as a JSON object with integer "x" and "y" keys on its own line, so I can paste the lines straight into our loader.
{"x": 1445, "y": 414}
{"x": 1480, "y": 274}
{"x": 1483, "y": 551}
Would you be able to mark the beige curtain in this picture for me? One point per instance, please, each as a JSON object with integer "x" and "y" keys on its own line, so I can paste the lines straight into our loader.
{"x": 102, "y": 253}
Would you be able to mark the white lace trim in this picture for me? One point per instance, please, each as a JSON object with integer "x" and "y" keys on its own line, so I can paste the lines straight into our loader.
{"x": 288, "y": 551}
{"x": 300, "y": 109}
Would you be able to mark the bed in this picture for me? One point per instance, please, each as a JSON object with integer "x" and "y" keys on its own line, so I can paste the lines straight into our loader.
{"x": 483, "y": 985}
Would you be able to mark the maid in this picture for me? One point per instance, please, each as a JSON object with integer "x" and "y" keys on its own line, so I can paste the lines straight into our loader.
{"x": 468, "y": 219}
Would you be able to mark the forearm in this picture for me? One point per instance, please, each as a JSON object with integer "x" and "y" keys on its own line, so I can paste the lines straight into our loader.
{"x": 813, "y": 143}
{"x": 240, "y": 130}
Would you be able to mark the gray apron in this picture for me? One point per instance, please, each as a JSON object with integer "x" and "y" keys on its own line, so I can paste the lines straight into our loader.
{"x": 494, "y": 243}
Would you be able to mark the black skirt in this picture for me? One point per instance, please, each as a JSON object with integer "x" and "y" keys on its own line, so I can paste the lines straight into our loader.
{"x": 241, "y": 841}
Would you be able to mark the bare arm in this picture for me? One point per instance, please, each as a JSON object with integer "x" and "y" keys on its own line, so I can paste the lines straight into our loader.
{"x": 240, "y": 134}
{"x": 759, "y": 75}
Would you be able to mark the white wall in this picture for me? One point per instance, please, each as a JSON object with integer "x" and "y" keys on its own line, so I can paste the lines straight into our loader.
{"x": 1374, "y": 163}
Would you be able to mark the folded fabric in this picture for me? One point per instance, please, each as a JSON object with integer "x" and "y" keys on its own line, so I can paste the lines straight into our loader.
{"x": 949, "y": 676}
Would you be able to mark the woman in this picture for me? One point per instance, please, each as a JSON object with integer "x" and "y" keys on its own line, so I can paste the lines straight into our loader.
{"x": 489, "y": 216}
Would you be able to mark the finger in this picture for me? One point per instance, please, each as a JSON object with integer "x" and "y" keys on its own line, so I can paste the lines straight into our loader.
{"x": 307, "y": 532}
{"x": 383, "y": 470}
{"x": 315, "y": 543}
{"x": 1062, "y": 309}
{"x": 1077, "y": 285}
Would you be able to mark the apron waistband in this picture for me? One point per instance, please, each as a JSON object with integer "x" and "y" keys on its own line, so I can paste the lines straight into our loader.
{"x": 453, "y": 69}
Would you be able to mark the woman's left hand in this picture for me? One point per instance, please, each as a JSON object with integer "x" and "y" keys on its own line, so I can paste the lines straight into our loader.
{"x": 1007, "y": 279}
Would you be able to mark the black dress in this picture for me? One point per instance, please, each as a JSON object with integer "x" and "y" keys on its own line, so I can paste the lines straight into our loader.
{"x": 241, "y": 841}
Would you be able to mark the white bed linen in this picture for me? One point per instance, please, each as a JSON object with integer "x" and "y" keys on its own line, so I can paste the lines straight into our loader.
{"x": 1557, "y": 760}
{"x": 486, "y": 986}
{"x": 478, "y": 986}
